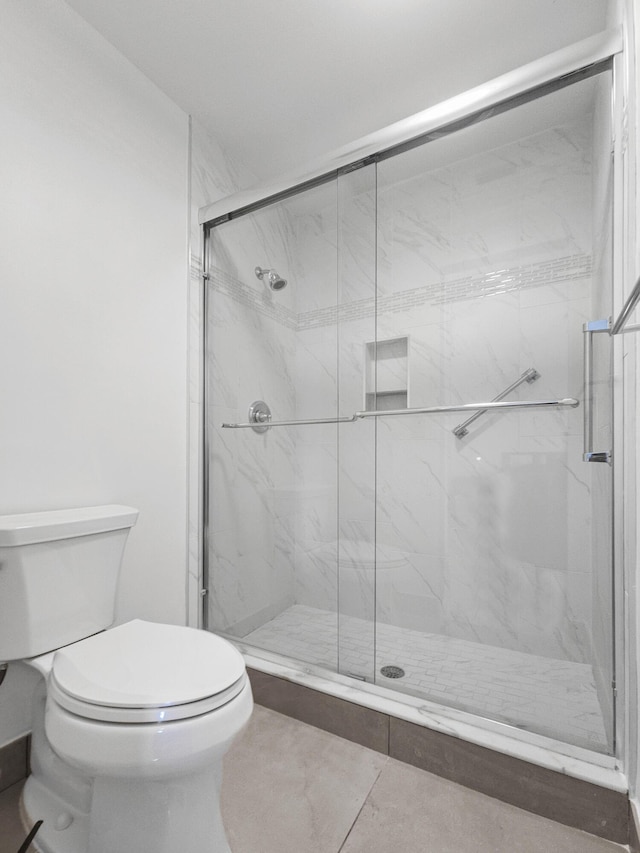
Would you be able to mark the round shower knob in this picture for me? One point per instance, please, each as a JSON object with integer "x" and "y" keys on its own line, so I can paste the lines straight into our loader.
{"x": 260, "y": 415}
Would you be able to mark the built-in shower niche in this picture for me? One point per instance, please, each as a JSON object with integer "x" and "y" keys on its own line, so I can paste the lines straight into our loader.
{"x": 386, "y": 380}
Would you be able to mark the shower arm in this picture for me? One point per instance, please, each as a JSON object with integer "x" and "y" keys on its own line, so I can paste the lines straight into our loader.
{"x": 566, "y": 402}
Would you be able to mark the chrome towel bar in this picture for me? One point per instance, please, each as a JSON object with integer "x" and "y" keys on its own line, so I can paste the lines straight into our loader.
{"x": 566, "y": 402}
{"x": 267, "y": 423}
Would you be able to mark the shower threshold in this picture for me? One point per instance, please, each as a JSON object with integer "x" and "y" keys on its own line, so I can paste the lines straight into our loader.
{"x": 553, "y": 698}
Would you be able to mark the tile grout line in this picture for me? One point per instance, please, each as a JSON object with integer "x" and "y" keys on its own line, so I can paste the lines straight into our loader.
{"x": 364, "y": 802}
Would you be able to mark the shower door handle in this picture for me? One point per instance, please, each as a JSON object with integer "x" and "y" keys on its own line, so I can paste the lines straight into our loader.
{"x": 590, "y": 329}
{"x": 601, "y": 456}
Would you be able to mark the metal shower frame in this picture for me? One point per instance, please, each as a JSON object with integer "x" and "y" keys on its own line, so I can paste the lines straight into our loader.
{"x": 580, "y": 61}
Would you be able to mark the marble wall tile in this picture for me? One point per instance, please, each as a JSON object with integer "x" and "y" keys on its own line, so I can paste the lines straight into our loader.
{"x": 484, "y": 263}
{"x": 213, "y": 174}
{"x": 316, "y": 576}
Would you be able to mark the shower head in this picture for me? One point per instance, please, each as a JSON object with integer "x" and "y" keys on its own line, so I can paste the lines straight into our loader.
{"x": 271, "y": 278}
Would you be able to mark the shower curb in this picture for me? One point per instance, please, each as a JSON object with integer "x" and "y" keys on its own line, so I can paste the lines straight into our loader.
{"x": 539, "y": 790}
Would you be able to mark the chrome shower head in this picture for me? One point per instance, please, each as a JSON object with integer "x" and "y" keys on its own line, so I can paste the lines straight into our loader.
{"x": 271, "y": 278}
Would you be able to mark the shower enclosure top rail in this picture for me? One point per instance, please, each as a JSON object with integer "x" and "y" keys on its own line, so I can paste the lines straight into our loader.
{"x": 565, "y": 402}
{"x": 556, "y": 67}
{"x": 529, "y": 375}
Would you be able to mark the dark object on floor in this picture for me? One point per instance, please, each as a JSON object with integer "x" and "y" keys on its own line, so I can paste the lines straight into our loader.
{"x": 25, "y": 844}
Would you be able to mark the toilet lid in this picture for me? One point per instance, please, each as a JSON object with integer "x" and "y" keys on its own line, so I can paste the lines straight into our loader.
{"x": 129, "y": 672}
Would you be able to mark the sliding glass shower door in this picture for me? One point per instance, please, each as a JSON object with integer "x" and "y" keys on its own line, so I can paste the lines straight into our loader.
{"x": 494, "y": 569}
{"x": 272, "y": 492}
{"x": 367, "y": 513}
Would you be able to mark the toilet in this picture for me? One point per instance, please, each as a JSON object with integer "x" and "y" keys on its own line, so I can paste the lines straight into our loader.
{"x": 131, "y": 723}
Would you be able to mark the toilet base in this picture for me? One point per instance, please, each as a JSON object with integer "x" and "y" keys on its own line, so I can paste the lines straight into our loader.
{"x": 180, "y": 814}
{"x": 39, "y": 803}
{"x": 127, "y": 815}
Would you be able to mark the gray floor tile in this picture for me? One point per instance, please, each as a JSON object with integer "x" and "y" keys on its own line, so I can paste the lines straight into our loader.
{"x": 11, "y": 832}
{"x": 412, "y": 811}
{"x": 291, "y": 788}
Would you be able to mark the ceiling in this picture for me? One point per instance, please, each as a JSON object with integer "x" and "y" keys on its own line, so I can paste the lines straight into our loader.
{"x": 281, "y": 82}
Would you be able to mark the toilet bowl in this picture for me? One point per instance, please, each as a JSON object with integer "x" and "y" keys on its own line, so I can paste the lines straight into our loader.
{"x": 130, "y": 724}
{"x": 144, "y": 713}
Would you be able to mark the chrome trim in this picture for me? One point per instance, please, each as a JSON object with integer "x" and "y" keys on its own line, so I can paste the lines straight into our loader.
{"x": 633, "y": 327}
{"x": 594, "y": 327}
{"x": 204, "y": 444}
{"x": 587, "y": 430}
{"x": 627, "y": 310}
{"x": 569, "y": 402}
{"x": 565, "y": 402}
{"x": 252, "y": 424}
{"x": 529, "y": 375}
{"x": 556, "y": 70}
{"x": 259, "y": 416}
{"x": 599, "y": 456}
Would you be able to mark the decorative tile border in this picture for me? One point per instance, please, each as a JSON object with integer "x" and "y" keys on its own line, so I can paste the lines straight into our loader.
{"x": 507, "y": 280}
{"x": 568, "y": 268}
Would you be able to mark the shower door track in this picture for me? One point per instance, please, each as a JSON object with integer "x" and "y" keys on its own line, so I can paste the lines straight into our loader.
{"x": 534, "y": 80}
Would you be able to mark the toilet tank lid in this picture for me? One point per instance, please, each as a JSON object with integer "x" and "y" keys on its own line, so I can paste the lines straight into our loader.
{"x": 28, "y": 528}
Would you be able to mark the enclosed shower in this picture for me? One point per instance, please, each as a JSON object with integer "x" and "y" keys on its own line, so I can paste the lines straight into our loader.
{"x": 408, "y": 448}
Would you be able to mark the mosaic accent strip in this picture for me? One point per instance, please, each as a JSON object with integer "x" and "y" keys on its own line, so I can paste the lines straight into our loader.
{"x": 510, "y": 279}
{"x": 567, "y": 268}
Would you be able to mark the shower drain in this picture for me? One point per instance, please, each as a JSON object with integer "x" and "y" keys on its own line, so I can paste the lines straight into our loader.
{"x": 392, "y": 671}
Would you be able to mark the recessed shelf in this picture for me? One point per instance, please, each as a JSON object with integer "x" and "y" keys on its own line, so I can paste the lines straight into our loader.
{"x": 387, "y": 374}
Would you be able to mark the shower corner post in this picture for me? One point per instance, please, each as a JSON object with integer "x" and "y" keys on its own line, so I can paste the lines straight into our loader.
{"x": 203, "y": 444}
{"x": 622, "y": 269}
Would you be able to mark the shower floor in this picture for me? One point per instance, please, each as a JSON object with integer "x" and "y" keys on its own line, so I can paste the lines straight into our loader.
{"x": 555, "y": 698}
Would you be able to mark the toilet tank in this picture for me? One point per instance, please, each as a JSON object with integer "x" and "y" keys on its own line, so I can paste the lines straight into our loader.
{"x": 58, "y": 576}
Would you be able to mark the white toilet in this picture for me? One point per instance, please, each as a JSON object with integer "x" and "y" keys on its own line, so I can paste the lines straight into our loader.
{"x": 130, "y": 724}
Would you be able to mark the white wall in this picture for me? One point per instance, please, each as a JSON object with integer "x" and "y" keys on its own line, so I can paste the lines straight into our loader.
{"x": 93, "y": 299}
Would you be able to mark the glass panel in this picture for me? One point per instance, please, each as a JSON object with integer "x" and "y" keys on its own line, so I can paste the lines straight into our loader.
{"x": 273, "y": 494}
{"x": 357, "y": 441}
{"x": 474, "y": 568}
{"x": 493, "y": 549}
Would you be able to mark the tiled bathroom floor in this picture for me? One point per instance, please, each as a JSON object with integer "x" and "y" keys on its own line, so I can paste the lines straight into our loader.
{"x": 556, "y": 698}
{"x": 291, "y": 788}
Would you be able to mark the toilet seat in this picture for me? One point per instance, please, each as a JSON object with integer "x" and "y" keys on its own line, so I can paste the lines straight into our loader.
{"x": 143, "y": 672}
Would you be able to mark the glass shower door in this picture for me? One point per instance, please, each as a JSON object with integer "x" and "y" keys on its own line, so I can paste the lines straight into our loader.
{"x": 463, "y": 558}
{"x": 272, "y": 492}
{"x": 493, "y": 579}
{"x": 356, "y": 332}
